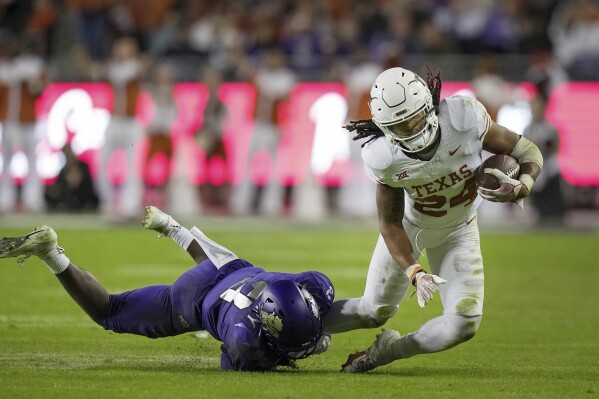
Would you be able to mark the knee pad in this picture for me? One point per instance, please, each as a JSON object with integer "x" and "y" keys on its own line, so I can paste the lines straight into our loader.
{"x": 376, "y": 316}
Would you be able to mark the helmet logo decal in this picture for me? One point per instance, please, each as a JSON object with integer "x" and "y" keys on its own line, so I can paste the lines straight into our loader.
{"x": 272, "y": 323}
{"x": 313, "y": 306}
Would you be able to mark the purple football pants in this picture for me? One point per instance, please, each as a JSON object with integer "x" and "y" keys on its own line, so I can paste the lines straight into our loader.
{"x": 163, "y": 310}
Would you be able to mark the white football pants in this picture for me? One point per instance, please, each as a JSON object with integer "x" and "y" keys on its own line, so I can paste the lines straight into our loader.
{"x": 20, "y": 136}
{"x": 453, "y": 254}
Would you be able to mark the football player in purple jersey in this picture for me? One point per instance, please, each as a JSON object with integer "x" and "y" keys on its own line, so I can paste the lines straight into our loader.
{"x": 263, "y": 319}
{"x": 423, "y": 152}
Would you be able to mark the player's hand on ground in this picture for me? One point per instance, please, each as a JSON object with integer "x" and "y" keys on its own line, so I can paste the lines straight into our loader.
{"x": 426, "y": 286}
{"x": 323, "y": 344}
{"x": 509, "y": 191}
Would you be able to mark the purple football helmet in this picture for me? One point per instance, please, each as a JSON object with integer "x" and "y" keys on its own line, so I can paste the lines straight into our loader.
{"x": 290, "y": 319}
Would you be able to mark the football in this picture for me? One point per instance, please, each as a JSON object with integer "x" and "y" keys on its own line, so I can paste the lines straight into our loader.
{"x": 504, "y": 163}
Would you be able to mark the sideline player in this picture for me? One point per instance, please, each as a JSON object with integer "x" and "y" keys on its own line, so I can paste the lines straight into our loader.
{"x": 424, "y": 153}
{"x": 264, "y": 319}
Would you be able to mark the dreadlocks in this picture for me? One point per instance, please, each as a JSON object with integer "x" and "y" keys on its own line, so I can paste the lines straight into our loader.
{"x": 366, "y": 128}
{"x": 433, "y": 81}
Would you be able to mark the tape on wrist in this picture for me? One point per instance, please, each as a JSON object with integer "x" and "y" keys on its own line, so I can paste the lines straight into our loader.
{"x": 412, "y": 270}
{"x": 527, "y": 180}
{"x": 525, "y": 151}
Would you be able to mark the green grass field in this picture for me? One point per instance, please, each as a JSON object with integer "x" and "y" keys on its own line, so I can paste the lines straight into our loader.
{"x": 539, "y": 337}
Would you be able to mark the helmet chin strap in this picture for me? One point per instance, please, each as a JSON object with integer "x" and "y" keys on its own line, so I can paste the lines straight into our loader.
{"x": 427, "y": 138}
{"x": 426, "y": 153}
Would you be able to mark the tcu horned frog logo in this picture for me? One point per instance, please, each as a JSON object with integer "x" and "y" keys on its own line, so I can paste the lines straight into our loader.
{"x": 272, "y": 323}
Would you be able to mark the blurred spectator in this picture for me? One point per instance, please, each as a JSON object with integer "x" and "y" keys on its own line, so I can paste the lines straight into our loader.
{"x": 538, "y": 16}
{"x": 464, "y": 21}
{"x": 154, "y": 22}
{"x": 432, "y": 40}
{"x": 504, "y": 28}
{"x": 92, "y": 25}
{"x": 545, "y": 72}
{"x": 158, "y": 161}
{"x": 74, "y": 188}
{"x": 274, "y": 82}
{"x": 301, "y": 42}
{"x": 214, "y": 193}
{"x": 547, "y": 196}
{"x": 14, "y": 14}
{"x": 490, "y": 88}
{"x": 41, "y": 21}
{"x": 574, "y": 31}
{"x": 124, "y": 72}
{"x": 75, "y": 66}
{"x": 361, "y": 73}
{"x": 23, "y": 77}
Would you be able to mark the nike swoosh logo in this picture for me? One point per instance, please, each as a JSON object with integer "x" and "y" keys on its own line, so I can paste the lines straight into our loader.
{"x": 451, "y": 152}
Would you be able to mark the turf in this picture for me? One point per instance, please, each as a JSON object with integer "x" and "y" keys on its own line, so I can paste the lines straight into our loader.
{"x": 539, "y": 337}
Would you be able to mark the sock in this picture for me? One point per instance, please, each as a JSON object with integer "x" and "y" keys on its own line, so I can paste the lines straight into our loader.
{"x": 218, "y": 254}
{"x": 179, "y": 234}
{"x": 56, "y": 260}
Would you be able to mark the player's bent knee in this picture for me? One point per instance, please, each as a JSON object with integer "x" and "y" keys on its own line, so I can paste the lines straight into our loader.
{"x": 377, "y": 316}
{"x": 465, "y": 328}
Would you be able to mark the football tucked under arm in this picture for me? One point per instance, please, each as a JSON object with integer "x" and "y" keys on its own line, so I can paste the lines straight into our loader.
{"x": 486, "y": 176}
{"x": 509, "y": 178}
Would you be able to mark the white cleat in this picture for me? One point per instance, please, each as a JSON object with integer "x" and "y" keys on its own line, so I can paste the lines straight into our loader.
{"x": 40, "y": 241}
{"x": 377, "y": 355}
{"x": 155, "y": 219}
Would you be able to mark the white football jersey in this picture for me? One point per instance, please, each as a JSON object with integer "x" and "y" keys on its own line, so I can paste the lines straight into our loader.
{"x": 440, "y": 192}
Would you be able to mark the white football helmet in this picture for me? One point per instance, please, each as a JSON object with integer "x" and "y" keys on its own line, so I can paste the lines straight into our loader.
{"x": 402, "y": 107}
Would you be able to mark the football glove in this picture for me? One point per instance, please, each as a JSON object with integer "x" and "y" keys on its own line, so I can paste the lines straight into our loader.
{"x": 507, "y": 192}
{"x": 323, "y": 344}
{"x": 426, "y": 285}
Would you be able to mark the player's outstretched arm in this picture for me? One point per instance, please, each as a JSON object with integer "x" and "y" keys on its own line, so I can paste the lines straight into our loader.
{"x": 390, "y": 206}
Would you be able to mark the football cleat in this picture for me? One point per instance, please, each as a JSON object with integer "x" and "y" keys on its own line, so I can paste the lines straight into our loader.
{"x": 358, "y": 362}
{"x": 377, "y": 355}
{"x": 155, "y": 219}
{"x": 40, "y": 241}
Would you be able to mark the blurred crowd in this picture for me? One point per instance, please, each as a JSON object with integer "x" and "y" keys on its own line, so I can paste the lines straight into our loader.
{"x": 274, "y": 44}
{"x": 317, "y": 37}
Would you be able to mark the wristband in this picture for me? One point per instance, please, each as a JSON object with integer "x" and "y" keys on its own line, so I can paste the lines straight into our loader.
{"x": 412, "y": 270}
{"x": 527, "y": 180}
{"x": 525, "y": 151}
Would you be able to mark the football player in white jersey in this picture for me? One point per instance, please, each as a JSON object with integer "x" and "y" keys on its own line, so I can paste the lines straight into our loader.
{"x": 423, "y": 153}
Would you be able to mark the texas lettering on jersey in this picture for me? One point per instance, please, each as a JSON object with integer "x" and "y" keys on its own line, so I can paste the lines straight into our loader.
{"x": 440, "y": 192}
{"x": 443, "y": 182}
{"x": 430, "y": 201}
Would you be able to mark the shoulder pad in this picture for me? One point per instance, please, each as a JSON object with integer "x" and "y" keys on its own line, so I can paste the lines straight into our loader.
{"x": 378, "y": 154}
{"x": 462, "y": 112}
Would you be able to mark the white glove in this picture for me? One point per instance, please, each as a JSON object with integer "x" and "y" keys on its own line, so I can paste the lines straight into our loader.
{"x": 507, "y": 192}
{"x": 426, "y": 285}
{"x": 323, "y": 344}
